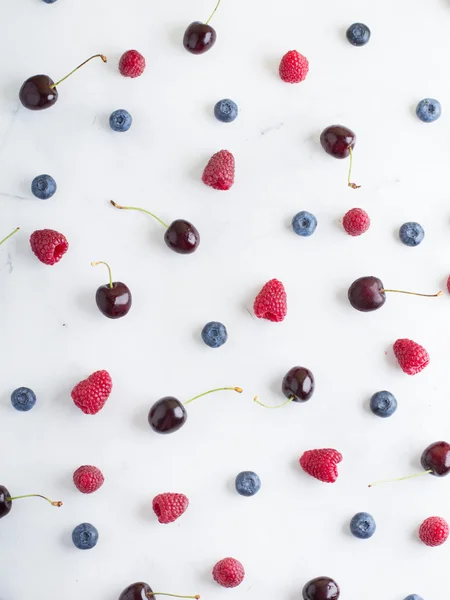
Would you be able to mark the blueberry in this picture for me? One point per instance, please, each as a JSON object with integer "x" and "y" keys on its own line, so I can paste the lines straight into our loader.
{"x": 85, "y": 536}
{"x": 411, "y": 234}
{"x": 413, "y": 597}
{"x": 226, "y": 110}
{"x": 358, "y": 34}
{"x": 120, "y": 120}
{"x": 428, "y": 110}
{"x": 363, "y": 525}
{"x": 49, "y": 1}
{"x": 23, "y": 399}
{"x": 247, "y": 483}
{"x": 214, "y": 334}
{"x": 43, "y": 187}
{"x": 383, "y": 404}
{"x": 304, "y": 223}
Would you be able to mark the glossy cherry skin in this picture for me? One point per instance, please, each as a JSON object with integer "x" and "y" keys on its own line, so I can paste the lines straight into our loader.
{"x": 366, "y": 294}
{"x": 321, "y": 588}
{"x": 182, "y": 237}
{"x": 114, "y": 302}
{"x": 5, "y": 505}
{"x": 199, "y": 37}
{"x": 137, "y": 591}
{"x": 436, "y": 458}
{"x": 36, "y": 93}
{"x": 298, "y": 384}
{"x": 337, "y": 139}
{"x": 167, "y": 415}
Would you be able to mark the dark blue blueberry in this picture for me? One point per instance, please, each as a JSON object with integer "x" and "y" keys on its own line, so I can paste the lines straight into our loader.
{"x": 226, "y": 110}
{"x": 43, "y": 187}
{"x": 429, "y": 110}
{"x": 358, "y": 34}
{"x": 304, "y": 223}
{"x": 363, "y": 525}
{"x": 214, "y": 334}
{"x": 411, "y": 234}
{"x": 120, "y": 120}
{"x": 49, "y": 1}
{"x": 85, "y": 536}
{"x": 414, "y": 597}
{"x": 247, "y": 483}
{"x": 383, "y": 404}
{"x": 23, "y": 399}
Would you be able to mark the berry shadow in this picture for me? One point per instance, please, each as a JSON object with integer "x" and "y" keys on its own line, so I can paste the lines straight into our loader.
{"x": 146, "y": 513}
{"x": 231, "y": 486}
{"x": 345, "y": 529}
{"x": 66, "y": 540}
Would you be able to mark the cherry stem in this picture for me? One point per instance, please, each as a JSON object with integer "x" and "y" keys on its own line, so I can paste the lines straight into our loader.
{"x": 440, "y": 293}
{"x": 231, "y": 389}
{"x": 104, "y": 59}
{"x": 401, "y": 478}
{"x": 35, "y": 496}
{"x": 141, "y": 209}
{"x": 255, "y": 399}
{"x": 101, "y": 262}
{"x": 213, "y": 12}
{"x": 350, "y": 184}
{"x": 150, "y": 594}
{"x": 10, "y": 235}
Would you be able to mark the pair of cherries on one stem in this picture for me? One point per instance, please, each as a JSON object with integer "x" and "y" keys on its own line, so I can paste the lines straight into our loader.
{"x": 6, "y": 500}
{"x": 142, "y": 591}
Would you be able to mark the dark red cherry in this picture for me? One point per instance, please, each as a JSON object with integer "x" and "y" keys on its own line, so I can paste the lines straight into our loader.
{"x": 36, "y": 92}
{"x": 137, "y": 591}
{"x": 182, "y": 237}
{"x": 114, "y": 298}
{"x": 367, "y": 294}
{"x": 436, "y": 458}
{"x": 298, "y": 384}
{"x": 199, "y": 37}
{"x": 167, "y": 415}
{"x": 337, "y": 141}
{"x": 5, "y": 502}
{"x": 321, "y": 588}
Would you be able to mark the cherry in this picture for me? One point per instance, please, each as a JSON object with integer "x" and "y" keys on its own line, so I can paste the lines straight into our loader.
{"x": 298, "y": 386}
{"x": 200, "y": 37}
{"x": 39, "y": 92}
{"x": 114, "y": 298}
{"x": 168, "y": 414}
{"x": 368, "y": 293}
{"x": 339, "y": 141}
{"x": 181, "y": 236}
{"x": 6, "y": 500}
{"x": 141, "y": 591}
{"x": 321, "y": 588}
{"x": 10, "y": 235}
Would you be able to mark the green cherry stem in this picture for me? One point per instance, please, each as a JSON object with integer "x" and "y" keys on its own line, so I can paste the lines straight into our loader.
{"x": 150, "y": 594}
{"x": 101, "y": 262}
{"x": 10, "y": 235}
{"x": 35, "y": 496}
{"x": 440, "y": 293}
{"x": 255, "y": 399}
{"x": 231, "y": 389}
{"x": 213, "y": 12}
{"x": 350, "y": 184}
{"x": 401, "y": 478}
{"x": 141, "y": 209}
{"x": 102, "y": 56}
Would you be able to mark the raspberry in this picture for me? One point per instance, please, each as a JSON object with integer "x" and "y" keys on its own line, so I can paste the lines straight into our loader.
{"x": 48, "y": 245}
{"x": 88, "y": 479}
{"x": 356, "y": 221}
{"x": 91, "y": 394}
{"x": 294, "y": 67}
{"x": 228, "y": 572}
{"x": 434, "y": 531}
{"x": 448, "y": 285}
{"x": 321, "y": 464}
{"x": 412, "y": 357}
{"x": 132, "y": 64}
{"x": 271, "y": 302}
{"x": 219, "y": 172}
{"x": 168, "y": 507}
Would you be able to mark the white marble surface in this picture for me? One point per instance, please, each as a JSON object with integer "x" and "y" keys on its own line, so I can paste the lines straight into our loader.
{"x": 53, "y": 335}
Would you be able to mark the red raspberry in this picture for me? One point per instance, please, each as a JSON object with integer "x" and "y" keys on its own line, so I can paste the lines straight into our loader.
{"x": 271, "y": 302}
{"x": 356, "y": 221}
{"x": 448, "y": 285}
{"x": 434, "y": 531}
{"x": 88, "y": 479}
{"x": 91, "y": 394}
{"x": 132, "y": 64}
{"x": 321, "y": 464}
{"x": 294, "y": 67}
{"x": 228, "y": 572}
{"x": 168, "y": 507}
{"x": 219, "y": 172}
{"x": 412, "y": 357}
{"x": 48, "y": 245}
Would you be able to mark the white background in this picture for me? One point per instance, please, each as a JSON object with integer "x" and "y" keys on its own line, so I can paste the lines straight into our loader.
{"x": 53, "y": 336}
